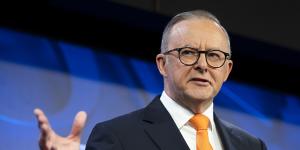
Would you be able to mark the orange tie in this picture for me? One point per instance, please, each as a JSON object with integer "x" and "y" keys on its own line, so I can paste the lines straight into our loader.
{"x": 200, "y": 123}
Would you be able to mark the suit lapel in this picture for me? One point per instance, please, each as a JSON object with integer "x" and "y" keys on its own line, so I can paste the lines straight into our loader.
{"x": 161, "y": 128}
{"x": 224, "y": 133}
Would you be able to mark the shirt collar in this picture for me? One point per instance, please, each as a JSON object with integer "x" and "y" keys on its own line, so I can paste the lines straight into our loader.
{"x": 180, "y": 114}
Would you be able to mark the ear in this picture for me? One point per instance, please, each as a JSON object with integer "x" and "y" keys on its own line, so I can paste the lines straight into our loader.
{"x": 228, "y": 68}
{"x": 161, "y": 63}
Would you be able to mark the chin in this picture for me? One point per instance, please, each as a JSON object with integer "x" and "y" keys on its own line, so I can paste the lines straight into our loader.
{"x": 199, "y": 96}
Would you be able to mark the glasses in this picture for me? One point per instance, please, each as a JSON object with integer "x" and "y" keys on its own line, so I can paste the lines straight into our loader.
{"x": 190, "y": 56}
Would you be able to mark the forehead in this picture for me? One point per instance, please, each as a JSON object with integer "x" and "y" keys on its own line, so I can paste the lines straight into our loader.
{"x": 198, "y": 33}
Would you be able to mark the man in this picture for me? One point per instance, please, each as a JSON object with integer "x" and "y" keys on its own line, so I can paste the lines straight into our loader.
{"x": 194, "y": 62}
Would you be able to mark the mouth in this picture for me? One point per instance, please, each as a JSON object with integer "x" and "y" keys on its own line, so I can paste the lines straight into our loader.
{"x": 201, "y": 81}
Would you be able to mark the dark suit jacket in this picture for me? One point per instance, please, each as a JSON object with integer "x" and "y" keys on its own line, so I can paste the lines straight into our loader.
{"x": 152, "y": 128}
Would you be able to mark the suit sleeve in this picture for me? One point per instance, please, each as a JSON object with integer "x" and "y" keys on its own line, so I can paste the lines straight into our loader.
{"x": 103, "y": 138}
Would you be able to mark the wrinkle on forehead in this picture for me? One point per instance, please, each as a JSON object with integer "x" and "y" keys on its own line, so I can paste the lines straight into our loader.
{"x": 202, "y": 44}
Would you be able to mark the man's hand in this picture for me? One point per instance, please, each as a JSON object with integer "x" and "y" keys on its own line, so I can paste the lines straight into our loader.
{"x": 49, "y": 140}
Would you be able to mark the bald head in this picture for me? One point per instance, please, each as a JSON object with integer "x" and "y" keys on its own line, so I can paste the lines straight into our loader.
{"x": 196, "y": 14}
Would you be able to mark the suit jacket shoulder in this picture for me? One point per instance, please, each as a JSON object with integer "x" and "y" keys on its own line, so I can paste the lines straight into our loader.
{"x": 110, "y": 135}
{"x": 150, "y": 128}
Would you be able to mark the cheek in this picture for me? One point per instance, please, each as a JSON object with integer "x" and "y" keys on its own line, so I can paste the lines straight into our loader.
{"x": 179, "y": 74}
{"x": 218, "y": 78}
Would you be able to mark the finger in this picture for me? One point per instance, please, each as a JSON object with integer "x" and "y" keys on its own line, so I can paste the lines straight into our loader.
{"x": 78, "y": 124}
{"x": 41, "y": 117}
{"x": 45, "y": 129}
{"x": 45, "y": 139}
{"x": 45, "y": 132}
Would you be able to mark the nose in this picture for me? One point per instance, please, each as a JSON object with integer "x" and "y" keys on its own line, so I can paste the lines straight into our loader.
{"x": 201, "y": 63}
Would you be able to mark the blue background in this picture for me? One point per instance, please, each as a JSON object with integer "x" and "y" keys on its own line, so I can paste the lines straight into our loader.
{"x": 63, "y": 78}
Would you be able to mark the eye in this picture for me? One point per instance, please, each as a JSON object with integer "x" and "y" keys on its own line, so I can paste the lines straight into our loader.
{"x": 214, "y": 55}
{"x": 188, "y": 52}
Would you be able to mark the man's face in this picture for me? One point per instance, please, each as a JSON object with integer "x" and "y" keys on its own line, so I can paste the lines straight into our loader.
{"x": 199, "y": 82}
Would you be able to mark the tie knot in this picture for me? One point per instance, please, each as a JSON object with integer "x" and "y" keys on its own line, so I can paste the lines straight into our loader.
{"x": 199, "y": 122}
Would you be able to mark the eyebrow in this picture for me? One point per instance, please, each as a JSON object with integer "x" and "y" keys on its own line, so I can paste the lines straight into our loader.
{"x": 212, "y": 48}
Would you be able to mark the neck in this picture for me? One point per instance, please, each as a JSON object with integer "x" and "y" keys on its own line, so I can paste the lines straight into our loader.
{"x": 194, "y": 105}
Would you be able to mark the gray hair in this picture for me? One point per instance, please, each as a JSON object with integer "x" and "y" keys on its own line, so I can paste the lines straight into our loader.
{"x": 195, "y": 14}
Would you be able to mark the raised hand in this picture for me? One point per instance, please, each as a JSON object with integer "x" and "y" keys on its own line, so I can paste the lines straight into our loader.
{"x": 49, "y": 140}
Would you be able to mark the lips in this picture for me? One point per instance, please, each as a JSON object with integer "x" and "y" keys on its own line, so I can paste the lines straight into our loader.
{"x": 201, "y": 81}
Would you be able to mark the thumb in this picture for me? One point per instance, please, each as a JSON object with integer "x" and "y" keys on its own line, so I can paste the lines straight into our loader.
{"x": 78, "y": 125}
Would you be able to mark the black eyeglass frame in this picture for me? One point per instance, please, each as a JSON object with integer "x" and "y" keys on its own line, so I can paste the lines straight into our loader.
{"x": 227, "y": 55}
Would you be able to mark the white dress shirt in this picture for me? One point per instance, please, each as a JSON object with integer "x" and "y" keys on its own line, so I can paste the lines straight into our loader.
{"x": 181, "y": 117}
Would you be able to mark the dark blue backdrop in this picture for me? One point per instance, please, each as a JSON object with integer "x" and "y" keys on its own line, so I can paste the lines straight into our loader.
{"x": 63, "y": 78}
